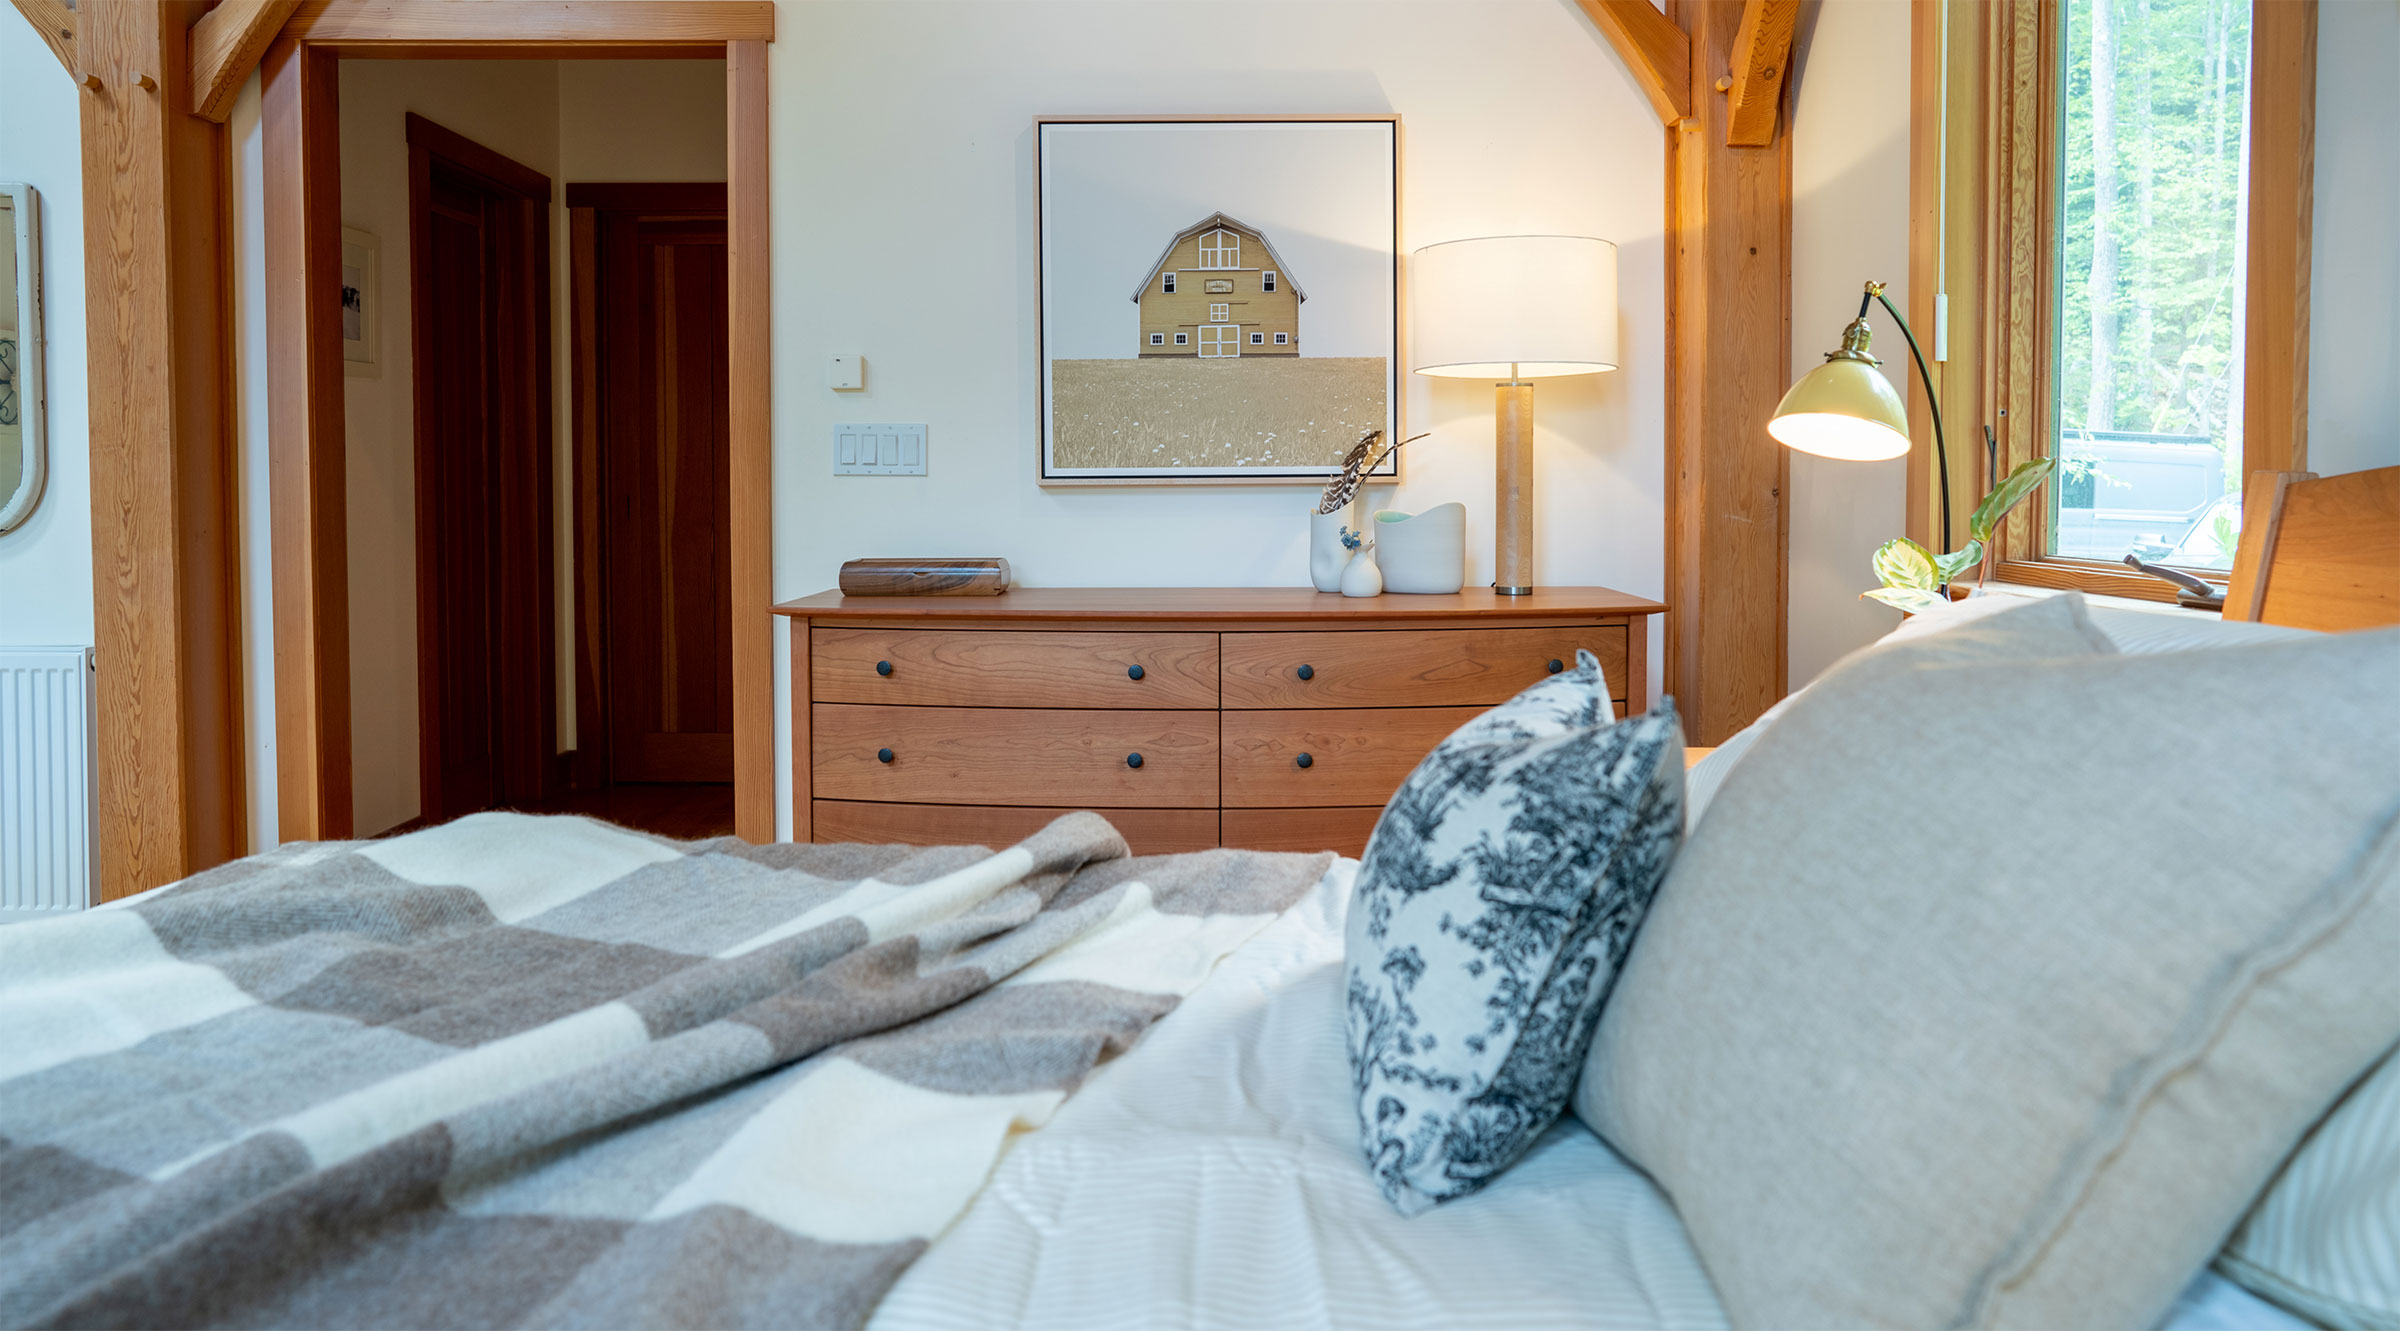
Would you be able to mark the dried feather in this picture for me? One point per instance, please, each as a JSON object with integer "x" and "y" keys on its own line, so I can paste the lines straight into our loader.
{"x": 1364, "y": 457}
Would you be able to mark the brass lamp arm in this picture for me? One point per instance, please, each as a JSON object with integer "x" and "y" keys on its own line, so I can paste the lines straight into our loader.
{"x": 1933, "y": 403}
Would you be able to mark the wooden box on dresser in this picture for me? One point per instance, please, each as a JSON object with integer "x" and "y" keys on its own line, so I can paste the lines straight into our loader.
{"x": 1267, "y": 718}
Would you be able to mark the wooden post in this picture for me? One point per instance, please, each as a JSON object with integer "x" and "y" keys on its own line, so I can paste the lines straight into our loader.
{"x": 1729, "y": 292}
{"x": 166, "y": 612}
{"x": 2283, "y": 173}
{"x": 750, "y": 443}
{"x": 1512, "y": 483}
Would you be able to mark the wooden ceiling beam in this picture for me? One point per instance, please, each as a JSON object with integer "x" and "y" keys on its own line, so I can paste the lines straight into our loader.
{"x": 226, "y": 45}
{"x": 1762, "y": 51}
{"x": 402, "y": 26}
{"x": 1657, "y": 51}
{"x": 56, "y": 23}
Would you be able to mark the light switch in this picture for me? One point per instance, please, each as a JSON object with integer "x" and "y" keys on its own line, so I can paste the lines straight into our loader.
{"x": 846, "y": 371}
{"x": 878, "y": 450}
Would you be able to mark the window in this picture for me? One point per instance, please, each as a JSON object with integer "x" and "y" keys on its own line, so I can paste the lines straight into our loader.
{"x": 1266, "y": 280}
{"x": 2122, "y": 204}
{"x": 1158, "y": 339}
{"x": 2149, "y": 302}
{"x": 1258, "y": 339}
{"x": 1166, "y": 284}
{"x": 1220, "y": 249}
{"x": 1219, "y": 312}
{"x": 1182, "y": 339}
{"x": 1283, "y": 339}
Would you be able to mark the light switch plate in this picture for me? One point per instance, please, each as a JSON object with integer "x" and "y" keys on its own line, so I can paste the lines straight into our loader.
{"x": 878, "y": 450}
{"x": 846, "y": 371}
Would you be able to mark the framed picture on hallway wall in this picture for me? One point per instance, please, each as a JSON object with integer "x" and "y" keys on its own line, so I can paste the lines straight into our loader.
{"x": 1219, "y": 296}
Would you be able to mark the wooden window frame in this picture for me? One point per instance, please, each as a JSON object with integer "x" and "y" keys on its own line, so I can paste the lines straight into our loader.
{"x": 1166, "y": 284}
{"x": 1266, "y": 280}
{"x": 1984, "y": 237}
{"x": 1221, "y": 242}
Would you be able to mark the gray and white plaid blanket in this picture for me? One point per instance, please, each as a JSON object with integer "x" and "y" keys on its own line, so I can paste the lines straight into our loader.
{"x": 518, "y": 1071}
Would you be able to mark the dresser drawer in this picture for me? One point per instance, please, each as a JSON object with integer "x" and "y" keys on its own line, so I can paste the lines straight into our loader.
{"x": 975, "y": 755}
{"x": 1305, "y": 830}
{"x": 1001, "y": 668}
{"x": 1408, "y": 667}
{"x": 1352, "y": 757}
{"x": 1147, "y": 831}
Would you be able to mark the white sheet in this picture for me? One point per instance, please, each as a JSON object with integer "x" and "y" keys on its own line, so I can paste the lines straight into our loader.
{"x": 1211, "y": 1179}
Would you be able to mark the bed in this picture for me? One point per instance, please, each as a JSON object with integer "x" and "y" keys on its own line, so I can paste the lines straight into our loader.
{"x": 517, "y": 1071}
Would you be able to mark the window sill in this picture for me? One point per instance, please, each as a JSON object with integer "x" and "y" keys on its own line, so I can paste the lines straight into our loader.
{"x": 2095, "y": 579}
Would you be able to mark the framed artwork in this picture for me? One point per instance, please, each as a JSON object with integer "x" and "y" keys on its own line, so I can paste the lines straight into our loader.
{"x": 362, "y": 302}
{"x": 1220, "y": 296}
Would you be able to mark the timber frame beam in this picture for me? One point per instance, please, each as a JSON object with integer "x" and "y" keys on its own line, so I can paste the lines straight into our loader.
{"x": 1719, "y": 76}
{"x": 56, "y": 24}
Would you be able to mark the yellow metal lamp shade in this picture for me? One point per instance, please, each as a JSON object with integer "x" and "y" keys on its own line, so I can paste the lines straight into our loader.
{"x": 1844, "y": 409}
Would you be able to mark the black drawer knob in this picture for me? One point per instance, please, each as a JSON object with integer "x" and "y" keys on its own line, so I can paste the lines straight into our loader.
{"x": 1308, "y": 672}
{"x": 883, "y": 755}
{"x": 1133, "y": 760}
{"x": 1556, "y": 665}
{"x": 1305, "y": 760}
{"x": 1133, "y": 672}
{"x": 883, "y": 667}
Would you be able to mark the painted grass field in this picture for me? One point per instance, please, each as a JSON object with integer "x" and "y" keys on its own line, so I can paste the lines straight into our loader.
{"x": 1233, "y": 414}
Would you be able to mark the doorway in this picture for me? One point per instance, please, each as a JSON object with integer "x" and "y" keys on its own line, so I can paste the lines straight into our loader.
{"x": 654, "y": 719}
{"x": 479, "y": 280}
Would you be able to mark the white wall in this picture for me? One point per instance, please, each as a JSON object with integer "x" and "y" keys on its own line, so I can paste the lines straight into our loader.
{"x": 2354, "y": 291}
{"x": 46, "y": 564}
{"x": 1849, "y": 127}
{"x": 902, "y": 159}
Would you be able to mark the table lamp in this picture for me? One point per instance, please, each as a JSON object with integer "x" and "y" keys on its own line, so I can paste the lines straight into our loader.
{"x": 1513, "y": 309}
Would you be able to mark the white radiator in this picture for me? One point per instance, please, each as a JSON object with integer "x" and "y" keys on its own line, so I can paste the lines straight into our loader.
{"x": 47, "y": 729}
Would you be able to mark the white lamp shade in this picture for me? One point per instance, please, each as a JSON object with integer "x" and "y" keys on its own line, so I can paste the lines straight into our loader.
{"x": 1515, "y": 306}
{"x": 1843, "y": 409}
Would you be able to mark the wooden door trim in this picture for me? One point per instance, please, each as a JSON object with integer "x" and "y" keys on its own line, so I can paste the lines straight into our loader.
{"x": 590, "y": 765}
{"x": 303, "y": 352}
{"x": 665, "y": 196}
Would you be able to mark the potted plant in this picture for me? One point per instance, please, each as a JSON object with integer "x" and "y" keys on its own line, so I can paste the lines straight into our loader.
{"x": 1916, "y": 579}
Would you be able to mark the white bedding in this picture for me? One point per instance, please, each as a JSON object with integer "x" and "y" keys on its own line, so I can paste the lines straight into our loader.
{"x": 1211, "y": 1179}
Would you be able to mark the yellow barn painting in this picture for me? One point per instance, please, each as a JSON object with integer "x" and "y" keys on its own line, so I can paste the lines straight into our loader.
{"x": 1219, "y": 290}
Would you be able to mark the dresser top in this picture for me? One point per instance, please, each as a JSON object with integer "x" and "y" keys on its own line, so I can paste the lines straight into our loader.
{"x": 1232, "y": 604}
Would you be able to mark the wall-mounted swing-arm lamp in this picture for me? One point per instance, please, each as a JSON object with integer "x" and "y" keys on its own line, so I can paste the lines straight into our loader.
{"x": 1845, "y": 409}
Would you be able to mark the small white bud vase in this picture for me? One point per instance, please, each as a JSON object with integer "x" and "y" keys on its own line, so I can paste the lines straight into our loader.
{"x": 1327, "y": 556}
{"x": 1362, "y": 577}
{"x": 1425, "y": 554}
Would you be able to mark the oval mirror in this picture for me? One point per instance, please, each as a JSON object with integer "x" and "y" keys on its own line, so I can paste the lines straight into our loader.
{"x": 20, "y": 354}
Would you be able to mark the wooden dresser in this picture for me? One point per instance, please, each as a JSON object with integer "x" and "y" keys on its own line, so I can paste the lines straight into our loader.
{"x": 1269, "y": 718}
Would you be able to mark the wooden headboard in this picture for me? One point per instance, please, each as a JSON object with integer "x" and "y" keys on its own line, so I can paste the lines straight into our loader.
{"x": 2319, "y": 553}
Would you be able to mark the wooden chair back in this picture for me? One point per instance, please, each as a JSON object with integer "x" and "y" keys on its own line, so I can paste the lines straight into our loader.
{"x": 2318, "y": 553}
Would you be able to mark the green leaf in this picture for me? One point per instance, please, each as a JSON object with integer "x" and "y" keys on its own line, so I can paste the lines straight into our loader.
{"x": 1910, "y": 599}
{"x": 1949, "y": 566}
{"x": 1901, "y": 562}
{"x": 2010, "y": 492}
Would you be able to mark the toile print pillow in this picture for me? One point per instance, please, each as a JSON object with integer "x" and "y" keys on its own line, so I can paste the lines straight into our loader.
{"x": 1495, "y": 903}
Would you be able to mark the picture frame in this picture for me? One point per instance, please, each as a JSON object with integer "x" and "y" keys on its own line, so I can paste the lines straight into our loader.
{"x": 1218, "y": 298}
{"x": 362, "y": 303}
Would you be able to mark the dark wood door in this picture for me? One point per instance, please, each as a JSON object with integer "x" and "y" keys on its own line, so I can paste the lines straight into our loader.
{"x": 666, "y": 585}
{"x": 479, "y": 289}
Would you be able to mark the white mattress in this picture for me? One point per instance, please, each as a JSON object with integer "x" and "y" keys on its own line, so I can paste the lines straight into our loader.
{"x": 1211, "y": 1179}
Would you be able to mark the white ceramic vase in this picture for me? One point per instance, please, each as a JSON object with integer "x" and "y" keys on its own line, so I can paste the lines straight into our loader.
{"x": 1425, "y": 554}
{"x": 1362, "y": 577}
{"x": 1327, "y": 556}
